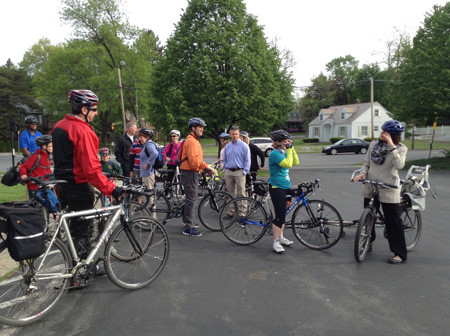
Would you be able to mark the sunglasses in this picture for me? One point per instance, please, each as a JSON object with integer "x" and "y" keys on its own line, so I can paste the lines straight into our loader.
{"x": 173, "y": 136}
{"x": 93, "y": 109}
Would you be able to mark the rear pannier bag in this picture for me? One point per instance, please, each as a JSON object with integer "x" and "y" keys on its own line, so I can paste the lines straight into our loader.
{"x": 25, "y": 229}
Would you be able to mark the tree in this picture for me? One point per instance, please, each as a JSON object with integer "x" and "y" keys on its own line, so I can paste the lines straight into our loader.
{"x": 218, "y": 66}
{"x": 423, "y": 87}
{"x": 16, "y": 97}
{"x": 343, "y": 72}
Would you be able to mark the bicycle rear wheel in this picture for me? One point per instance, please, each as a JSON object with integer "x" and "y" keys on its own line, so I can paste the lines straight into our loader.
{"x": 412, "y": 226}
{"x": 243, "y": 221}
{"x": 363, "y": 234}
{"x": 160, "y": 208}
{"x": 318, "y": 225}
{"x": 146, "y": 244}
{"x": 27, "y": 294}
{"x": 210, "y": 207}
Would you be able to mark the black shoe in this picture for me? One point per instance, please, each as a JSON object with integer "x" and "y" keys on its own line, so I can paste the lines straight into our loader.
{"x": 99, "y": 271}
{"x": 395, "y": 261}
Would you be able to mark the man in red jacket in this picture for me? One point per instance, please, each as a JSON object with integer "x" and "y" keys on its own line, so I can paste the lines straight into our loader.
{"x": 75, "y": 156}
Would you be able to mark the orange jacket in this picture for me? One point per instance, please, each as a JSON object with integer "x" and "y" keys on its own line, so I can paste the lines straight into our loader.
{"x": 192, "y": 156}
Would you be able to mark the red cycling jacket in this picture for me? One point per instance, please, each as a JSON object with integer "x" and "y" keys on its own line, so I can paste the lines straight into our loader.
{"x": 75, "y": 148}
{"x": 43, "y": 168}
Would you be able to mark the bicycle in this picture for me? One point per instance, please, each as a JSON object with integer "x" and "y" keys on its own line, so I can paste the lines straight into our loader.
{"x": 315, "y": 223}
{"x": 410, "y": 207}
{"x": 135, "y": 254}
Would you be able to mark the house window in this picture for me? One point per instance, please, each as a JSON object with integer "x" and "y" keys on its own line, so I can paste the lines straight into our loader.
{"x": 377, "y": 113}
{"x": 342, "y": 115}
{"x": 321, "y": 117}
{"x": 364, "y": 130}
{"x": 375, "y": 128}
{"x": 342, "y": 131}
{"x": 316, "y": 132}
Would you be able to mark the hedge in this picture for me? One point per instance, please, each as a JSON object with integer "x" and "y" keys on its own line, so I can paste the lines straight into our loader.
{"x": 335, "y": 139}
{"x": 309, "y": 140}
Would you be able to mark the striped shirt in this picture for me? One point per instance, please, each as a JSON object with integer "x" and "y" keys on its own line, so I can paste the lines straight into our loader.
{"x": 136, "y": 149}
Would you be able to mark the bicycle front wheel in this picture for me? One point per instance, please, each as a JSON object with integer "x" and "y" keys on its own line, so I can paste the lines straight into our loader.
{"x": 146, "y": 244}
{"x": 412, "y": 226}
{"x": 243, "y": 221}
{"x": 364, "y": 234}
{"x": 27, "y": 294}
{"x": 318, "y": 225}
{"x": 210, "y": 207}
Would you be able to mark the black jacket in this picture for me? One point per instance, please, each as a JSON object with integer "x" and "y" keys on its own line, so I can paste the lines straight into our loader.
{"x": 122, "y": 150}
{"x": 255, "y": 151}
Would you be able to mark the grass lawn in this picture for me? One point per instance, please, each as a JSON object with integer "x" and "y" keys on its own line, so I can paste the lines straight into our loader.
{"x": 16, "y": 193}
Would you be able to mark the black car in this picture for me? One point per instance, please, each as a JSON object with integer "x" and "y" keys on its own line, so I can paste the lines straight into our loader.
{"x": 347, "y": 146}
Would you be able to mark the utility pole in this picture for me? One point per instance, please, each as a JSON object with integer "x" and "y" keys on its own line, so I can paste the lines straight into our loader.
{"x": 121, "y": 63}
{"x": 371, "y": 107}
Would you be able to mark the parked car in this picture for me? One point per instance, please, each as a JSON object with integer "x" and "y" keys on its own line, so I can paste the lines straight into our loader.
{"x": 347, "y": 146}
{"x": 265, "y": 144}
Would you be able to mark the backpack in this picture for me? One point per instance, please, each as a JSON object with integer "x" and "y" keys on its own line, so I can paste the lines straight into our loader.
{"x": 180, "y": 154}
{"x": 159, "y": 162}
{"x": 12, "y": 176}
{"x": 25, "y": 228}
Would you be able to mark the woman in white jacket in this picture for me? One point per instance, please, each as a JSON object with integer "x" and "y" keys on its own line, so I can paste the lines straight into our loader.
{"x": 383, "y": 159}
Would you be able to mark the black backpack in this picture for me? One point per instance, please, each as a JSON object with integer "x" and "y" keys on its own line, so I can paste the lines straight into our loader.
{"x": 24, "y": 225}
{"x": 12, "y": 176}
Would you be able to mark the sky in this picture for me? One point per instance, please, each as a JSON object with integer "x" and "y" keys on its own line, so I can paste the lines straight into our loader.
{"x": 315, "y": 32}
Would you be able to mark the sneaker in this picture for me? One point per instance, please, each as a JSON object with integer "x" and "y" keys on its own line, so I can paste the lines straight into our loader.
{"x": 99, "y": 271}
{"x": 284, "y": 241}
{"x": 191, "y": 232}
{"x": 277, "y": 247}
{"x": 195, "y": 226}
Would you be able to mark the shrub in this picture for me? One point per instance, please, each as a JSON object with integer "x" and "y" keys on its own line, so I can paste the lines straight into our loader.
{"x": 369, "y": 139}
{"x": 446, "y": 152}
{"x": 309, "y": 140}
{"x": 2, "y": 147}
{"x": 335, "y": 139}
{"x": 293, "y": 130}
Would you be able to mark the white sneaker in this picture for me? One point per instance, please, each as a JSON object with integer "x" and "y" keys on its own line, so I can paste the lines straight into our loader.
{"x": 285, "y": 241}
{"x": 277, "y": 247}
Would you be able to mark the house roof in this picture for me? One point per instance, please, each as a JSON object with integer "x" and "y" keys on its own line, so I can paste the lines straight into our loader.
{"x": 334, "y": 113}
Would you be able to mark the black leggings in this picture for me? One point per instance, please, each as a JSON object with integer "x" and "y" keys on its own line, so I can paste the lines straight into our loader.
{"x": 278, "y": 197}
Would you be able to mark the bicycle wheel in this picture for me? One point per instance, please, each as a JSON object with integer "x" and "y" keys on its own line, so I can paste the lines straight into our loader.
{"x": 318, "y": 225}
{"x": 243, "y": 221}
{"x": 363, "y": 234}
{"x": 412, "y": 226}
{"x": 27, "y": 294}
{"x": 146, "y": 243}
{"x": 210, "y": 207}
{"x": 160, "y": 208}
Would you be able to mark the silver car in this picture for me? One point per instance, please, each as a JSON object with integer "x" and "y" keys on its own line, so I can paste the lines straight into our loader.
{"x": 265, "y": 144}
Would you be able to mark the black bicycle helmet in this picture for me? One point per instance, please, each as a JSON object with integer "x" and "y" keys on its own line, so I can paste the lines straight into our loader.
{"x": 196, "y": 121}
{"x": 83, "y": 97}
{"x": 280, "y": 135}
{"x": 43, "y": 140}
{"x": 31, "y": 120}
{"x": 393, "y": 127}
{"x": 146, "y": 131}
{"x": 104, "y": 151}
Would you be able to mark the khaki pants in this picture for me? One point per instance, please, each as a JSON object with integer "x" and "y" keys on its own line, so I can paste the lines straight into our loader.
{"x": 235, "y": 182}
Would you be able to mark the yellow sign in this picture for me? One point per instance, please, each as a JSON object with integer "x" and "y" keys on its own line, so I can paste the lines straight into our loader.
{"x": 434, "y": 126}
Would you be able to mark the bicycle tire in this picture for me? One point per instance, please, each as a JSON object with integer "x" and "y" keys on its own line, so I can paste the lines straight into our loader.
{"x": 247, "y": 230}
{"x": 18, "y": 308}
{"x": 141, "y": 268}
{"x": 363, "y": 234}
{"x": 209, "y": 209}
{"x": 412, "y": 226}
{"x": 318, "y": 225}
{"x": 133, "y": 213}
{"x": 160, "y": 208}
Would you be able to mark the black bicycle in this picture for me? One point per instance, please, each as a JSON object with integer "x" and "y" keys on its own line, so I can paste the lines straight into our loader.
{"x": 410, "y": 206}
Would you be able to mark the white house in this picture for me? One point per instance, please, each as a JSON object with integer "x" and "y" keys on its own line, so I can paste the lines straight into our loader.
{"x": 348, "y": 121}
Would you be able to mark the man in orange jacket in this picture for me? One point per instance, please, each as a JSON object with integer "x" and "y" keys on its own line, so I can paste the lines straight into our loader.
{"x": 191, "y": 164}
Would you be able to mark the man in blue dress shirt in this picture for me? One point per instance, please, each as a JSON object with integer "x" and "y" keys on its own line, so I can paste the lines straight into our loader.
{"x": 236, "y": 164}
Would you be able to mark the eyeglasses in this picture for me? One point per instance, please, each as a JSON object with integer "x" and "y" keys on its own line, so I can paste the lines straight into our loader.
{"x": 93, "y": 109}
{"x": 173, "y": 136}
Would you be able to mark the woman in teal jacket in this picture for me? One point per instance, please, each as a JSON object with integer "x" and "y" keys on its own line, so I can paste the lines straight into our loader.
{"x": 281, "y": 159}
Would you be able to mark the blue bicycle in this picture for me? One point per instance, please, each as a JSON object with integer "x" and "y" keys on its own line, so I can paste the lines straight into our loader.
{"x": 315, "y": 223}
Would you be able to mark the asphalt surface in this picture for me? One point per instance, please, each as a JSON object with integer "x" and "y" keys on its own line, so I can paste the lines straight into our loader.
{"x": 211, "y": 286}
